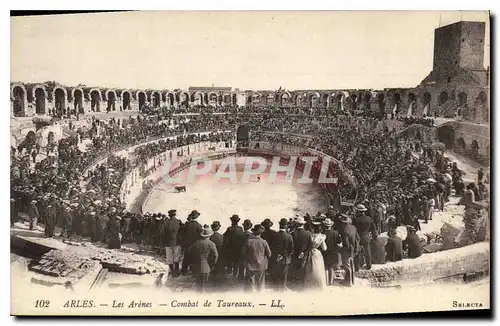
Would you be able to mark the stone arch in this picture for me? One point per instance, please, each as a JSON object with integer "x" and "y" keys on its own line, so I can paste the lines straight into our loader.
{"x": 354, "y": 103}
{"x": 461, "y": 143}
{"x": 40, "y": 99}
{"x": 141, "y": 99}
{"x": 77, "y": 95}
{"x": 95, "y": 100}
{"x": 325, "y": 100}
{"x": 381, "y": 103}
{"x": 19, "y": 99}
{"x": 156, "y": 99}
{"x": 482, "y": 98}
{"x": 313, "y": 98}
{"x": 60, "y": 98}
{"x": 443, "y": 97}
{"x": 446, "y": 135}
{"x": 111, "y": 96}
{"x": 462, "y": 99}
{"x": 299, "y": 100}
{"x": 286, "y": 98}
{"x": 226, "y": 99}
{"x": 212, "y": 98}
{"x": 474, "y": 149}
{"x": 197, "y": 98}
{"x": 163, "y": 97}
{"x": 183, "y": 98}
{"x": 170, "y": 98}
{"x": 126, "y": 100}
{"x": 234, "y": 99}
{"x": 256, "y": 98}
{"x": 50, "y": 137}
{"x": 426, "y": 101}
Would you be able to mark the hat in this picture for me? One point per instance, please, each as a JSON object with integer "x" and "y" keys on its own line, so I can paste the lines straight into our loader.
{"x": 283, "y": 223}
{"x": 158, "y": 218}
{"x": 235, "y": 218}
{"x": 300, "y": 220}
{"x": 12, "y": 200}
{"x": 322, "y": 216}
{"x": 118, "y": 218}
{"x": 344, "y": 218}
{"x": 215, "y": 225}
{"x": 194, "y": 214}
{"x": 258, "y": 229}
{"x": 172, "y": 212}
{"x": 361, "y": 208}
{"x": 316, "y": 222}
{"x": 247, "y": 223}
{"x": 328, "y": 222}
{"x": 267, "y": 223}
{"x": 411, "y": 228}
{"x": 33, "y": 201}
{"x": 206, "y": 231}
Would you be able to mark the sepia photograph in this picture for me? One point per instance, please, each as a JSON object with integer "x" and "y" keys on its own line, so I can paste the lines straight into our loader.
{"x": 249, "y": 163}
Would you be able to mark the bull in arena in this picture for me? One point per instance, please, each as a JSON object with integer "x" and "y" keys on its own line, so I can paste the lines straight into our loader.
{"x": 180, "y": 188}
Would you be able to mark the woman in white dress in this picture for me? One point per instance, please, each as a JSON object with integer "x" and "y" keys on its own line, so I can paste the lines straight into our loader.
{"x": 315, "y": 275}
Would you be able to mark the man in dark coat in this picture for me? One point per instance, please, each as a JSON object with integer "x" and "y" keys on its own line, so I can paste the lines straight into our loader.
{"x": 66, "y": 220}
{"x": 281, "y": 255}
{"x": 412, "y": 243}
{"x": 13, "y": 212}
{"x": 33, "y": 214}
{"x": 202, "y": 257}
{"x": 192, "y": 232}
{"x": 173, "y": 254}
{"x": 247, "y": 225}
{"x": 394, "y": 247}
{"x": 233, "y": 241}
{"x": 302, "y": 241}
{"x": 366, "y": 230}
{"x": 114, "y": 236}
{"x": 331, "y": 256}
{"x": 350, "y": 245}
{"x": 50, "y": 218}
{"x": 217, "y": 239}
{"x": 255, "y": 253}
{"x": 269, "y": 235}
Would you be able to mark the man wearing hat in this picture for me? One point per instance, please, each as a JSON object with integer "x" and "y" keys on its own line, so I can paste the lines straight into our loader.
{"x": 366, "y": 230}
{"x": 302, "y": 242}
{"x": 247, "y": 225}
{"x": 114, "y": 236}
{"x": 203, "y": 257}
{"x": 269, "y": 236}
{"x": 331, "y": 256}
{"x": 50, "y": 218}
{"x": 350, "y": 245}
{"x": 217, "y": 239}
{"x": 233, "y": 241}
{"x": 394, "y": 246}
{"x": 412, "y": 243}
{"x": 33, "y": 214}
{"x": 281, "y": 255}
{"x": 173, "y": 254}
{"x": 255, "y": 254}
{"x": 192, "y": 231}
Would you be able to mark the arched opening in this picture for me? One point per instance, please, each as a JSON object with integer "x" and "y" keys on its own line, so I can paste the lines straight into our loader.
{"x": 298, "y": 100}
{"x": 111, "y": 101}
{"x": 446, "y": 135}
{"x": 40, "y": 101}
{"x": 426, "y": 101}
{"x": 170, "y": 99}
{"x": 474, "y": 149}
{"x": 412, "y": 103}
{"x": 19, "y": 96}
{"x": 367, "y": 98}
{"x": 412, "y": 98}
{"x": 482, "y": 98}
{"x": 78, "y": 100}
{"x": 381, "y": 103}
{"x": 60, "y": 101}
{"x": 339, "y": 99}
{"x": 285, "y": 99}
{"x": 354, "y": 103}
{"x": 156, "y": 99}
{"x": 212, "y": 99}
{"x": 443, "y": 98}
{"x": 126, "y": 100}
{"x": 29, "y": 140}
{"x": 50, "y": 138}
{"x": 141, "y": 97}
{"x": 95, "y": 101}
{"x": 164, "y": 98}
{"x": 227, "y": 99}
{"x": 184, "y": 98}
{"x": 234, "y": 100}
{"x": 460, "y": 145}
{"x": 324, "y": 100}
{"x": 462, "y": 99}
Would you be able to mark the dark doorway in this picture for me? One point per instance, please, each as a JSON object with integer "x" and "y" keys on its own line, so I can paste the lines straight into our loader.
{"x": 446, "y": 135}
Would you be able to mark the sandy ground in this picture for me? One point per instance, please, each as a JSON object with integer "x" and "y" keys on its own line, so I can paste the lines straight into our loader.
{"x": 254, "y": 200}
